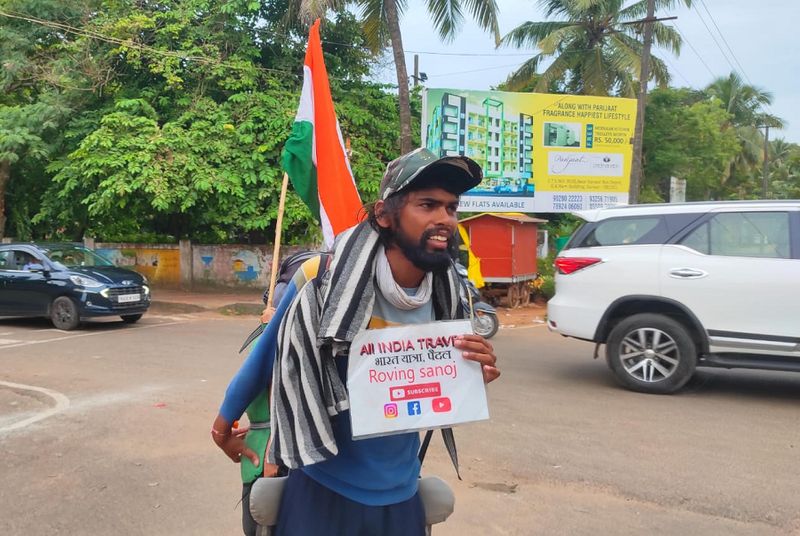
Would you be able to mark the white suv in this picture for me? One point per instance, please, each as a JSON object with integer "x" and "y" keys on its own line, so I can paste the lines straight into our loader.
{"x": 671, "y": 287}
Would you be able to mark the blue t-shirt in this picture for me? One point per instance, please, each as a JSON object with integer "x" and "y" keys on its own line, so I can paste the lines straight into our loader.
{"x": 380, "y": 470}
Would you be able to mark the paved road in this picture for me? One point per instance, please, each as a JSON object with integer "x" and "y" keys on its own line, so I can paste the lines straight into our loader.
{"x": 122, "y": 446}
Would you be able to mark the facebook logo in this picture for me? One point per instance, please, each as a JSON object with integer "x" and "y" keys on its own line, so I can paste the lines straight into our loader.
{"x": 414, "y": 408}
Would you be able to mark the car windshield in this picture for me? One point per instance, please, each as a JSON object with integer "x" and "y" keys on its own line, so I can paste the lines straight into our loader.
{"x": 77, "y": 256}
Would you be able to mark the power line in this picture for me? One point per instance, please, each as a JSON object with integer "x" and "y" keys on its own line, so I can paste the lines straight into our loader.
{"x": 683, "y": 37}
{"x": 714, "y": 22}
{"x": 741, "y": 69}
{"x": 674, "y": 68}
{"x": 700, "y": 16}
{"x": 128, "y": 43}
{"x": 474, "y": 70}
{"x": 466, "y": 54}
{"x": 435, "y": 53}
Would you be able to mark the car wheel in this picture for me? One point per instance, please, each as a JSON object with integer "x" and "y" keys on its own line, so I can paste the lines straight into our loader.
{"x": 64, "y": 313}
{"x": 485, "y": 324}
{"x": 651, "y": 353}
{"x": 131, "y": 319}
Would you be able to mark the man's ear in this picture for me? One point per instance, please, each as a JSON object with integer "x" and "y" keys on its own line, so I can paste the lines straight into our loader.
{"x": 381, "y": 216}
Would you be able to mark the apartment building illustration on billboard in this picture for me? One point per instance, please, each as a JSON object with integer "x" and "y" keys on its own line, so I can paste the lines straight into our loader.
{"x": 502, "y": 144}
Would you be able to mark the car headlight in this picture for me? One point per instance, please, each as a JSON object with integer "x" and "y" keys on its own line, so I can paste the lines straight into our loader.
{"x": 146, "y": 290}
{"x": 86, "y": 282}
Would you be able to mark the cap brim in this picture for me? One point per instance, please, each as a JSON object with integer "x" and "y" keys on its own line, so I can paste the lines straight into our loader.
{"x": 462, "y": 173}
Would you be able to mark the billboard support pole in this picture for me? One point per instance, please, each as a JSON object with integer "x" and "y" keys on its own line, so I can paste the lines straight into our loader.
{"x": 638, "y": 134}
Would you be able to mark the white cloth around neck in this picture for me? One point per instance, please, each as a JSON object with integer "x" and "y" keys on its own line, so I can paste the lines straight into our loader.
{"x": 393, "y": 292}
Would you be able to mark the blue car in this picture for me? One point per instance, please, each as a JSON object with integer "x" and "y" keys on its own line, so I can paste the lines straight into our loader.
{"x": 68, "y": 283}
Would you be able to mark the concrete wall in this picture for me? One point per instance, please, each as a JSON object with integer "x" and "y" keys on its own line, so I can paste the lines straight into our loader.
{"x": 161, "y": 263}
{"x": 191, "y": 266}
{"x": 234, "y": 266}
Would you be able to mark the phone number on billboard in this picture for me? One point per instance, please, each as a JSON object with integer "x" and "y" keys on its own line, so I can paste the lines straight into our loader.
{"x": 580, "y": 202}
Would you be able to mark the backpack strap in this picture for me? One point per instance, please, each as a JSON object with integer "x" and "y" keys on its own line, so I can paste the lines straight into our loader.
{"x": 324, "y": 261}
{"x": 449, "y": 443}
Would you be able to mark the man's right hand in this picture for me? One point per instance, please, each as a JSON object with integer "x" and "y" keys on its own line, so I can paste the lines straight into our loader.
{"x": 267, "y": 315}
{"x": 231, "y": 441}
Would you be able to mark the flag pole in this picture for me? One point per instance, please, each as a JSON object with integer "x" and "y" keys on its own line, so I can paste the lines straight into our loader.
{"x": 273, "y": 276}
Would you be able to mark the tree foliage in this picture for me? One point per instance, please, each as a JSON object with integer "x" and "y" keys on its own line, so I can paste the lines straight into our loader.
{"x": 685, "y": 137}
{"x": 694, "y": 135}
{"x": 182, "y": 134}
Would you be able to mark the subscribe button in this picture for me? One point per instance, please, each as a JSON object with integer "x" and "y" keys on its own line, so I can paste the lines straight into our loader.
{"x": 422, "y": 390}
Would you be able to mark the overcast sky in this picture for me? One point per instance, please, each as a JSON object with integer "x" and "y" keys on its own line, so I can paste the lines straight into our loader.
{"x": 761, "y": 33}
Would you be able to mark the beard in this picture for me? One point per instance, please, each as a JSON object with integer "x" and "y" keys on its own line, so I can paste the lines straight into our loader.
{"x": 417, "y": 251}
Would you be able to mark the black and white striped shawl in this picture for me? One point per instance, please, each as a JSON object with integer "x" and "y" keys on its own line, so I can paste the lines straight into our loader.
{"x": 321, "y": 323}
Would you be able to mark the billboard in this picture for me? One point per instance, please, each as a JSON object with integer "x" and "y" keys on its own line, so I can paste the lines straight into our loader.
{"x": 539, "y": 152}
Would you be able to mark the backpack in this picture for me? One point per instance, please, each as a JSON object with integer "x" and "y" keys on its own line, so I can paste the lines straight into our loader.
{"x": 289, "y": 266}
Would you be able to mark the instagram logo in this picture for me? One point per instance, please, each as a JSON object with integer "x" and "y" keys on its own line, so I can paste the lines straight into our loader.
{"x": 390, "y": 411}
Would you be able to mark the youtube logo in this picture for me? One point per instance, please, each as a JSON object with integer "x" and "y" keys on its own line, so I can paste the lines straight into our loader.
{"x": 441, "y": 405}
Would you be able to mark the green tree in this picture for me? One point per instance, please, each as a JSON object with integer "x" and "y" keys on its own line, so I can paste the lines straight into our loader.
{"x": 23, "y": 135}
{"x": 185, "y": 141}
{"x": 784, "y": 170}
{"x": 594, "y": 46}
{"x": 684, "y": 137}
{"x": 745, "y": 104}
{"x": 46, "y": 74}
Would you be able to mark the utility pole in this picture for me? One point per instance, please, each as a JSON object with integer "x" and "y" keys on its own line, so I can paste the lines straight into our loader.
{"x": 766, "y": 162}
{"x": 638, "y": 134}
{"x": 418, "y": 76}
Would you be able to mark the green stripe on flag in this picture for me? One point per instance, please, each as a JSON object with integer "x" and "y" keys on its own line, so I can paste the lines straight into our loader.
{"x": 298, "y": 163}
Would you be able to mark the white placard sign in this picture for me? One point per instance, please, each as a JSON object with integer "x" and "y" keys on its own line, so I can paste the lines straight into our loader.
{"x": 413, "y": 378}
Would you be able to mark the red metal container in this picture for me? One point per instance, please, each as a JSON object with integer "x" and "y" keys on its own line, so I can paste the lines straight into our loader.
{"x": 505, "y": 243}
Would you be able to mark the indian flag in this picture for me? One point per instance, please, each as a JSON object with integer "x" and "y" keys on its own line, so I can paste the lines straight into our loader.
{"x": 314, "y": 155}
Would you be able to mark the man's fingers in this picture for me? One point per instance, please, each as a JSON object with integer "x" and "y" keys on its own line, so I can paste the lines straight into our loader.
{"x": 476, "y": 348}
{"x": 474, "y": 343}
{"x": 490, "y": 373}
{"x": 482, "y": 355}
{"x": 483, "y": 359}
{"x": 246, "y": 452}
{"x": 240, "y": 432}
{"x": 267, "y": 315}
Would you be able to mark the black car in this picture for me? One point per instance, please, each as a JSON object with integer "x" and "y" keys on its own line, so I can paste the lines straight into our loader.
{"x": 67, "y": 283}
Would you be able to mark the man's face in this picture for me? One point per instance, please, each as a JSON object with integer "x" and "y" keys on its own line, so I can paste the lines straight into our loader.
{"x": 424, "y": 228}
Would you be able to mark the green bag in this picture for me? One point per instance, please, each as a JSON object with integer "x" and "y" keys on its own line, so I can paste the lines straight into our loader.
{"x": 257, "y": 438}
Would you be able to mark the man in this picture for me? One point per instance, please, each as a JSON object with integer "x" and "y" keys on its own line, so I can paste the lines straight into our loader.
{"x": 248, "y": 392}
{"x": 33, "y": 264}
{"x": 393, "y": 269}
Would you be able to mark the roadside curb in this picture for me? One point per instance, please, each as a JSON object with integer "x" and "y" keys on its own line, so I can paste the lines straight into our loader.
{"x": 175, "y": 307}
{"x": 231, "y": 309}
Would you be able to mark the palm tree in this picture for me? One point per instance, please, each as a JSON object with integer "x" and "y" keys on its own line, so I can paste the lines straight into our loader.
{"x": 381, "y": 21}
{"x": 745, "y": 104}
{"x": 784, "y": 175}
{"x": 596, "y": 47}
